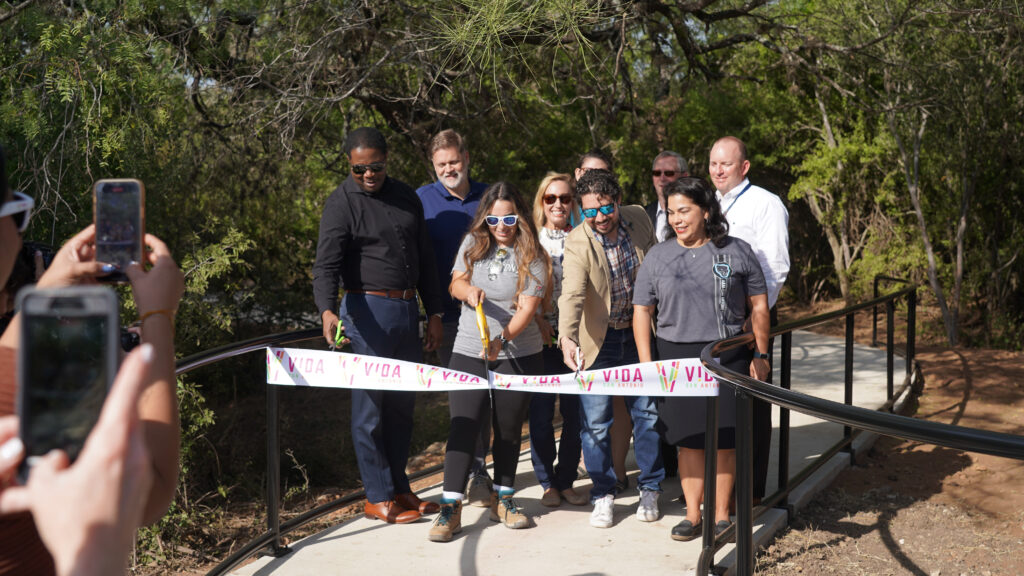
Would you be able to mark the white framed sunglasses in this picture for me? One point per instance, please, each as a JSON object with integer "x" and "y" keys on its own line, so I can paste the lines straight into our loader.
{"x": 509, "y": 220}
{"x": 20, "y": 208}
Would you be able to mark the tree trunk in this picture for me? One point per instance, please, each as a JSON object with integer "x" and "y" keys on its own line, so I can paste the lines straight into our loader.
{"x": 911, "y": 162}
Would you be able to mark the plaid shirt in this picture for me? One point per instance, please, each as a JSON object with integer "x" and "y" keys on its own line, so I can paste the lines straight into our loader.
{"x": 623, "y": 263}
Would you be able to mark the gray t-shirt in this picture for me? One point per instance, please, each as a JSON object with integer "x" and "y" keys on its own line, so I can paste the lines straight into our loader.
{"x": 699, "y": 294}
{"x": 497, "y": 274}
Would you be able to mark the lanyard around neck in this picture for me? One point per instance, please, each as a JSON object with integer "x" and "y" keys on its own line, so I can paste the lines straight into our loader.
{"x": 742, "y": 192}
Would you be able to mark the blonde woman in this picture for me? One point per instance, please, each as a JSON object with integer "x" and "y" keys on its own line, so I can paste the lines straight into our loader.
{"x": 553, "y": 207}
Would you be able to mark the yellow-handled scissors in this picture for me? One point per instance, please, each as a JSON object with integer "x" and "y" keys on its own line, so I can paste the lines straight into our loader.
{"x": 481, "y": 323}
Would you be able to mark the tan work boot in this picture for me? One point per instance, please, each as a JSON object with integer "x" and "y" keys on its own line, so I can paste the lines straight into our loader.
{"x": 448, "y": 522}
{"x": 505, "y": 510}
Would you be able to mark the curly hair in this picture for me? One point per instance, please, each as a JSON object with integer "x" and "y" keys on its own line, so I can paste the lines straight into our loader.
{"x": 703, "y": 195}
{"x": 600, "y": 182}
{"x": 527, "y": 246}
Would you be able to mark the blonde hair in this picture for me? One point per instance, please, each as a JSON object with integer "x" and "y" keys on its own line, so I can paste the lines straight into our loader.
{"x": 539, "y": 218}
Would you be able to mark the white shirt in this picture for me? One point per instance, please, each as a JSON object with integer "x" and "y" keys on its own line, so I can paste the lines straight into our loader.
{"x": 661, "y": 224}
{"x": 760, "y": 218}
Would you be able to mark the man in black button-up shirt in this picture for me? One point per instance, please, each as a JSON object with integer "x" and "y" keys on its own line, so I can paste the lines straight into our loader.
{"x": 374, "y": 242}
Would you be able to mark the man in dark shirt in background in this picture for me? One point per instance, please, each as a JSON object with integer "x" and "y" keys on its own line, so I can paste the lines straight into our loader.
{"x": 374, "y": 241}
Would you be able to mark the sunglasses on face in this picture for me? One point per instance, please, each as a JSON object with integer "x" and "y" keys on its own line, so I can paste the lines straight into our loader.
{"x": 667, "y": 173}
{"x": 509, "y": 220}
{"x": 20, "y": 208}
{"x": 376, "y": 168}
{"x": 605, "y": 209}
{"x": 551, "y": 198}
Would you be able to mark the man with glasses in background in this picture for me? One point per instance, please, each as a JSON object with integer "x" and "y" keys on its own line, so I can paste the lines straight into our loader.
{"x": 595, "y": 314}
{"x": 374, "y": 243}
{"x": 667, "y": 168}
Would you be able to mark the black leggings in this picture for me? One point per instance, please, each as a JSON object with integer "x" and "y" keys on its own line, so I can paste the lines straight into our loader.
{"x": 469, "y": 408}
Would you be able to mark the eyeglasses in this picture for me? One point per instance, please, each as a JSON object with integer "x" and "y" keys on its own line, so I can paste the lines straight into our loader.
{"x": 20, "y": 209}
{"x": 667, "y": 173}
{"x": 509, "y": 220}
{"x": 606, "y": 209}
{"x": 376, "y": 168}
{"x": 551, "y": 198}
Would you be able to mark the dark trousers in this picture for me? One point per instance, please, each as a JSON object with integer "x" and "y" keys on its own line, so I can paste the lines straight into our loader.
{"x": 382, "y": 419}
{"x": 479, "y": 467}
{"x": 762, "y": 424}
{"x": 542, "y": 431}
{"x": 470, "y": 408}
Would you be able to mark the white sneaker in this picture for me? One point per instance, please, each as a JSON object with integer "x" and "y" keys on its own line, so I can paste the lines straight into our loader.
{"x": 604, "y": 510}
{"x": 647, "y": 510}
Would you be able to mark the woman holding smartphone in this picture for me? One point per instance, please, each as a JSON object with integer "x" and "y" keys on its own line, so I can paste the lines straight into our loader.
{"x": 704, "y": 286}
{"x": 501, "y": 266}
{"x": 66, "y": 526}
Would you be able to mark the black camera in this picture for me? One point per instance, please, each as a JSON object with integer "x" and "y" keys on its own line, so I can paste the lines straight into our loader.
{"x": 129, "y": 339}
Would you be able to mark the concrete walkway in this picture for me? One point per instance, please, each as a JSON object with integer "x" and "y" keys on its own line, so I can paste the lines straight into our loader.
{"x": 561, "y": 541}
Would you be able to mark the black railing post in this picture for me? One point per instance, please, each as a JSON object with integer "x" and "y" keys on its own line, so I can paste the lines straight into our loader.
{"x": 889, "y": 348}
{"x": 848, "y": 371}
{"x": 874, "y": 315}
{"x": 911, "y": 330}
{"x": 707, "y": 552}
{"x": 785, "y": 377}
{"x": 277, "y": 547}
{"x": 744, "y": 528}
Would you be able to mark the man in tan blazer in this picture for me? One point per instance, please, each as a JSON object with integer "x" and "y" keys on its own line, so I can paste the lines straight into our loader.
{"x": 595, "y": 315}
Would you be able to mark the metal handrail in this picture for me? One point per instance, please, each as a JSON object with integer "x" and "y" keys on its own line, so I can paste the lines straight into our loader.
{"x": 744, "y": 387}
{"x": 874, "y": 310}
{"x": 860, "y": 419}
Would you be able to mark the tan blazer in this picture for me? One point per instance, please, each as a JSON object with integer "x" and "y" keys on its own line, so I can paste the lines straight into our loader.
{"x": 586, "y": 278}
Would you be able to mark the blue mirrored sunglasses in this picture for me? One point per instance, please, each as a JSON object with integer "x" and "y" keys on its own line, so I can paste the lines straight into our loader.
{"x": 605, "y": 209}
{"x": 20, "y": 209}
{"x": 509, "y": 220}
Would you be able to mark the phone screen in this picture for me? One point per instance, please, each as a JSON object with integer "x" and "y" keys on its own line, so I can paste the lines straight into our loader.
{"x": 65, "y": 371}
{"x": 118, "y": 222}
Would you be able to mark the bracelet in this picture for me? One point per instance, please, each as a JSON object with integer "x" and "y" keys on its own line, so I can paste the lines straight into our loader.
{"x": 163, "y": 312}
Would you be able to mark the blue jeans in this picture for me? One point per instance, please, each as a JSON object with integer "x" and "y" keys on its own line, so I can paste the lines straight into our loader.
{"x": 382, "y": 419}
{"x": 596, "y": 418}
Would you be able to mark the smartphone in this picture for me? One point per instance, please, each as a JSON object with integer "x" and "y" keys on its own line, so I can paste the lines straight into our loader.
{"x": 66, "y": 363}
{"x": 119, "y": 215}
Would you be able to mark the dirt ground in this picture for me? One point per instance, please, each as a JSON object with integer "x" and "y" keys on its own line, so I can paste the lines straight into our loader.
{"x": 918, "y": 509}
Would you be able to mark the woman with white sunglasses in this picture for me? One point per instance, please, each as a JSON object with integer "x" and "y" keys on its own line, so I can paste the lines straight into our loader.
{"x": 502, "y": 266}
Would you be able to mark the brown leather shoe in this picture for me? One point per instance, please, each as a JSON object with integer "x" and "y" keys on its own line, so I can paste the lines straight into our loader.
{"x": 410, "y": 501}
{"x": 575, "y": 498}
{"x": 390, "y": 512}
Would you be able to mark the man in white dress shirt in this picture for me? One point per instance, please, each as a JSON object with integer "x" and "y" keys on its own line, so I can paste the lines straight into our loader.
{"x": 668, "y": 167}
{"x": 758, "y": 217}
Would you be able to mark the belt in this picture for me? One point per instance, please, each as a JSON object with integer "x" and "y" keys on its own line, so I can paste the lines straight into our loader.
{"x": 407, "y": 294}
{"x": 621, "y": 325}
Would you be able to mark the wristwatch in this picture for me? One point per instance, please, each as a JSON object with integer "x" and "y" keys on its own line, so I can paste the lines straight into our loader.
{"x": 760, "y": 355}
{"x": 504, "y": 341}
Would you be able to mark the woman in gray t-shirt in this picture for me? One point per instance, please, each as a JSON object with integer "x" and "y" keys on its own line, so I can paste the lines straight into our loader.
{"x": 501, "y": 265}
{"x": 700, "y": 288}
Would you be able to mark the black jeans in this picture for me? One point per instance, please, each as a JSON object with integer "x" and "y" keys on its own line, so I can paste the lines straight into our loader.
{"x": 470, "y": 408}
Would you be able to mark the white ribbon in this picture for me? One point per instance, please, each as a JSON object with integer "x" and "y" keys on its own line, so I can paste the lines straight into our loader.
{"x": 322, "y": 369}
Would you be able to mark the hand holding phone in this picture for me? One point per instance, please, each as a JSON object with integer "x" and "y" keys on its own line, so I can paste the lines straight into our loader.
{"x": 87, "y": 514}
{"x": 119, "y": 215}
{"x": 66, "y": 363}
